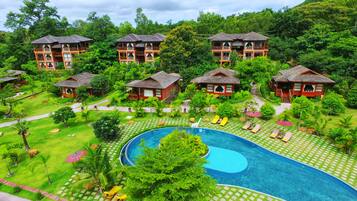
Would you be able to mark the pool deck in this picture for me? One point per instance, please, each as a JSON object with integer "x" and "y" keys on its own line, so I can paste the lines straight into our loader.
{"x": 312, "y": 150}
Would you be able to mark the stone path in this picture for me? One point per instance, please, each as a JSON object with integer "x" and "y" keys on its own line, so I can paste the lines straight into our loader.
{"x": 278, "y": 108}
{"x": 9, "y": 197}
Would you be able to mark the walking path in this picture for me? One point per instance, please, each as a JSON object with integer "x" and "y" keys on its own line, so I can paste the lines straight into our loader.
{"x": 9, "y": 197}
{"x": 278, "y": 108}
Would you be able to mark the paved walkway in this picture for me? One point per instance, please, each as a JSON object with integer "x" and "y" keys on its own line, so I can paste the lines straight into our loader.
{"x": 9, "y": 197}
{"x": 278, "y": 108}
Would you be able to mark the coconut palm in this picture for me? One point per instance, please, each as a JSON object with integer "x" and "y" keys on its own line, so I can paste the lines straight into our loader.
{"x": 22, "y": 128}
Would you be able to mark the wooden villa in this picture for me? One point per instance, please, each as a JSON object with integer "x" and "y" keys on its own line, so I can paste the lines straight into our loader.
{"x": 247, "y": 45}
{"x": 68, "y": 87}
{"x": 299, "y": 81}
{"x": 162, "y": 85}
{"x": 51, "y": 51}
{"x": 139, "y": 48}
{"x": 221, "y": 82}
{"x": 12, "y": 77}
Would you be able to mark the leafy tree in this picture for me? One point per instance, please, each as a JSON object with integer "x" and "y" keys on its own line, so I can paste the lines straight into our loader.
{"x": 241, "y": 96}
{"x": 209, "y": 23}
{"x": 267, "y": 111}
{"x": 333, "y": 104}
{"x": 6, "y": 95}
{"x": 198, "y": 104}
{"x": 43, "y": 159}
{"x": 100, "y": 84}
{"x": 302, "y": 107}
{"x": 107, "y": 128}
{"x": 345, "y": 122}
{"x": 82, "y": 93}
{"x": 170, "y": 172}
{"x": 183, "y": 49}
{"x": 96, "y": 169}
{"x": 98, "y": 28}
{"x": 226, "y": 110}
{"x": 62, "y": 115}
{"x": 139, "y": 108}
{"x": 344, "y": 139}
{"x": 22, "y": 128}
{"x": 85, "y": 114}
{"x": 352, "y": 96}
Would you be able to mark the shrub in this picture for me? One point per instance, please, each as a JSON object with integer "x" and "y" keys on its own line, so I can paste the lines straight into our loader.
{"x": 107, "y": 128}
{"x": 333, "y": 104}
{"x": 82, "y": 93}
{"x": 302, "y": 107}
{"x": 267, "y": 111}
{"x": 175, "y": 113}
{"x": 39, "y": 196}
{"x": 63, "y": 115}
{"x": 100, "y": 84}
{"x": 17, "y": 189}
{"x": 198, "y": 104}
{"x": 241, "y": 96}
{"x": 352, "y": 96}
{"x": 226, "y": 110}
{"x": 139, "y": 108}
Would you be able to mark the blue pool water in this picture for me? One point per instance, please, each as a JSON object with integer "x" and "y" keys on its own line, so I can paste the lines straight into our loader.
{"x": 236, "y": 161}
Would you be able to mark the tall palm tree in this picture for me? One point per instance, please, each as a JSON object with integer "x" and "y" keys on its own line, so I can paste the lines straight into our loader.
{"x": 22, "y": 128}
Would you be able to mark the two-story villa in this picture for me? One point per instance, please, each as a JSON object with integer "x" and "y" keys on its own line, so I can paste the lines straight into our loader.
{"x": 139, "y": 48}
{"x": 50, "y": 51}
{"x": 247, "y": 45}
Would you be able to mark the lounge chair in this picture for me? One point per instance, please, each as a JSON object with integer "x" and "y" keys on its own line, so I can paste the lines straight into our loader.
{"x": 287, "y": 137}
{"x": 122, "y": 197}
{"x": 275, "y": 133}
{"x": 224, "y": 121}
{"x": 251, "y": 126}
{"x": 110, "y": 194}
{"x": 215, "y": 119}
{"x": 247, "y": 125}
{"x": 256, "y": 128}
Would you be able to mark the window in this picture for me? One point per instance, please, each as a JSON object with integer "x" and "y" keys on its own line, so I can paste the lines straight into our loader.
{"x": 148, "y": 93}
{"x": 225, "y": 55}
{"x": 40, "y": 56}
{"x": 209, "y": 87}
{"x": 48, "y": 57}
{"x": 68, "y": 64}
{"x": 226, "y": 45}
{"x": 130, "y": 46}
{"x": 249, "y": 45}
{"x": 68, "y": 91}
{"x": 130, "y": 56}
{"x": 297, "y": 87}
{"x": 219, "y": 89}
{"x": 309, "y": 88}
{"x": 50, "y": 65}
{"x": 67, "y": 56}
{"x": 149, "y": 56}
{"x": 229, "y": 88}
{"x": 149, "y": 46}
{"x": 319, "y": 87}
{"x": 248, "y": 55}
{"x": 158, "y": 93}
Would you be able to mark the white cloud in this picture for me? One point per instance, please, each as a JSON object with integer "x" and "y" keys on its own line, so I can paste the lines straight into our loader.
{"x": 158, "y": 10}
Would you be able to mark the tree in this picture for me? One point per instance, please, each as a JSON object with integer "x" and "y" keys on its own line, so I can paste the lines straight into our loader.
{"x": 82, "y": 93}
{"x": 139, "y": 108}
{"x": 209, "y": 23}
{"x": 198, "y": 104}
{"x": 345, "y": 122}
{"x": 22, "y": 128}
{"x": 100, "y": 84}
{"x": 97, "y": 170}
{"x": 107, "y": 128}
{"x": 44, "y": 160}
{"x": 333, "y": 104}
{"x": 143, "y": 24}
{"x": 226, "y": 110}
{"x": 267, "y": 111}
{"x": 63, "y": 115}
{"x": 85, "y": 114}
{"x": 302, "y": 107}
{"x": 183, "y": 49}
{"x": 170, "y": 172}
{"x": 352, "y": 96}
{"x": 98, "y": 28}
{"x": 6, "y": 95}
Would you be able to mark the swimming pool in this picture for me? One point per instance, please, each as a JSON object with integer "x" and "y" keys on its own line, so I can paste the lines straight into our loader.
{"x": 236, "y": 161}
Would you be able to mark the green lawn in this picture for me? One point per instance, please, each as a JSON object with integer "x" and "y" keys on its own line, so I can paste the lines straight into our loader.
{"x": 57, "y": 146}
{"x": 334, "y": 120}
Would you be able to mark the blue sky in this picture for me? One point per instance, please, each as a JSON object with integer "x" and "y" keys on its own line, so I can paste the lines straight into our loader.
{"x": 157, "y": 10}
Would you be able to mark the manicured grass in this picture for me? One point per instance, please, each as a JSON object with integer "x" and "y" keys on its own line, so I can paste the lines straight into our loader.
{"x": 23, "y": 194}
{"x": 334, "y": 120}
{"x": 57, "y": 146}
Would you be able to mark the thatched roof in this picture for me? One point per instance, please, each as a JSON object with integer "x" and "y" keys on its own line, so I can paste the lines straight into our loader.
{"x": 11, "y": 75}
{"x": 160, "y": 80}
{"x": 49, "y": 39}
{"x": 82, "y": 79}
{"x": 142, "y": 38}
{"x": 301, "y": 74}
{"x": 218, "y": 76}
{"x": 251, "y": 36}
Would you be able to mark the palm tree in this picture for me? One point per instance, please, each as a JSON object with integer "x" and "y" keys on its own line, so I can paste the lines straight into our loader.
{"x": 22, "y": 128}
{"x": 96, "y": 169}
{"x": 346, "y": 122}
{"x": 44, "y": 160}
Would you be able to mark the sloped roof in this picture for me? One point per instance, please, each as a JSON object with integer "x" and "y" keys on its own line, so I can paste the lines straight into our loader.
{"x": 49, "y": 39}
{"x": 218, "y": 76}
{"x": 251, "y": 36}
{"x": 142, "y": 38}
{"x": 301, "y": 74}
{"x": 160, "y": 80}
{"x": 11, "y": 75}
{"x": 82, "y": 79}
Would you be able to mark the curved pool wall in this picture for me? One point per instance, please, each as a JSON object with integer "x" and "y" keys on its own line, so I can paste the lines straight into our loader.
{"x": 266, "y": 171}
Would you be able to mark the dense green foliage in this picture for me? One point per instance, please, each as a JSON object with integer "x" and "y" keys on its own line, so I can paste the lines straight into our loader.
{"x": 63, "y": 115}
{"x": 333, "y": 104}
{"x": 352, "y": 96}
{"x": 170, "y": 172}
{"x": 302, "y": 107}
{"x": 267, "y": 111}
{"x": 226, "y": 110}
{"x": 107, "y": 128}
{"x": 100, "y": 84}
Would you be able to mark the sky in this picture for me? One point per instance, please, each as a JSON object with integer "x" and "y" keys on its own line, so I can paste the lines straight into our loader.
{"x": 157, "y": 10}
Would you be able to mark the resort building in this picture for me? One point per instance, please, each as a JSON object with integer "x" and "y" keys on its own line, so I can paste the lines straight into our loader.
{"x": 12, "y": 77}
{"x": 139, "y": 48}
{"x": 246, "y": 45}
{"x": 68, "y": 87}
{"x": 299, "y": 81}
{"x": 221, "y": 82}
{"x": 162, "y": 85}
{"x": 52, "y": 52}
